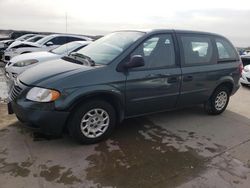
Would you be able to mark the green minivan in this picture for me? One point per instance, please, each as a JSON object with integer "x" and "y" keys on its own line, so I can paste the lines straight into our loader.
{"x": 123, "y": 75}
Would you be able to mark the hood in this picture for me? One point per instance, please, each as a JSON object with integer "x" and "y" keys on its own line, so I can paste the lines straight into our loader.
{"x": 6, "y": 41}
{"x": 32, "y": 44}
{"x": 47, "y": 70}
{"x": 40, "y": 56}
{"x": 15, "y": 43}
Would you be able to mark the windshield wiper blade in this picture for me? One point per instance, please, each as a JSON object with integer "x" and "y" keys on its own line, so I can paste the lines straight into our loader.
{"x": 84, "y": 58}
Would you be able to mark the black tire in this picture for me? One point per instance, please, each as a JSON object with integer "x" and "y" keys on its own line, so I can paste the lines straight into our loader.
{"x": 210, "y": 105}
{"x": 74, "y": 124}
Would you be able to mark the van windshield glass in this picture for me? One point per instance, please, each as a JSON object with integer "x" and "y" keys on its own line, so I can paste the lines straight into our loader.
{"x": 107, "y": 48}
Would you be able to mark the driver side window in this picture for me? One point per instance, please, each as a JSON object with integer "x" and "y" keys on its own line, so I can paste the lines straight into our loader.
{"x": 157, "y": 51}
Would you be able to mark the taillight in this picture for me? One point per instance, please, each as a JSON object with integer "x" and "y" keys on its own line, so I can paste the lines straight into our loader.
{"x": 241, "y": 68}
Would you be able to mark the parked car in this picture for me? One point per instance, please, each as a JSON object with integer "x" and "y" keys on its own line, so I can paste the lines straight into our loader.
{"x": 4, "y": 44}
{"x": 34, "y": 38}
{"x": 20, "y": 63}
{"x": 245, "y": 77}
{"x": 17, "y": 34}
{"x": 123, "y": 75}
{"x": 245, "y": 59}
{"x": 45, "y": 44}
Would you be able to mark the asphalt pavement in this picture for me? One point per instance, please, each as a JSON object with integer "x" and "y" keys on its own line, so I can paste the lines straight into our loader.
{"x": 182, "y": 148}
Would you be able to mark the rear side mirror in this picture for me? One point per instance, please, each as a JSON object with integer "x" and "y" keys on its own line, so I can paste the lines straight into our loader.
{"x": 49, "y": 44}
{"x": 135, "y": 61}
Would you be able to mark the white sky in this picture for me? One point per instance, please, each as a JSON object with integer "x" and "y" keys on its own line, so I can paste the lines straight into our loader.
{"x": 229, "y": 18}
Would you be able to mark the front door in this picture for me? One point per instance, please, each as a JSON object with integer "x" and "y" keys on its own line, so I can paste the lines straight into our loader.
{"x": 154, "y": 87}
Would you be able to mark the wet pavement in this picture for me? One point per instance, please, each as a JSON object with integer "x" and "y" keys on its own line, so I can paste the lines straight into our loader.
{"x": 183, "y": 148}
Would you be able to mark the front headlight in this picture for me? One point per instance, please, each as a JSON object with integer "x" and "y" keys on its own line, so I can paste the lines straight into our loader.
{"x": 25, "y": 63}
{"x": 42, "y": 94}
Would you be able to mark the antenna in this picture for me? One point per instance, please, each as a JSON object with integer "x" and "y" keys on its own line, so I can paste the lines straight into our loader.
{"x": 66, "y": 22}
{"x": 66, "y": 28}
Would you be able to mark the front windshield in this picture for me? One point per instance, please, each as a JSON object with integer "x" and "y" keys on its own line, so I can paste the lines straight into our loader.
{"x": 66, "y": 48}
{"x": 25, "y": 37}
{"x": 34, "y": 39}
{"x": 43, "y": 40}
{"x": 107, "y": 48}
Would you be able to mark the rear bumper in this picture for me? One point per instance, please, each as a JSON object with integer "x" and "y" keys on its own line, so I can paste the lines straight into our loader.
{"x": 49, "y": 122}
{"x": 235, "y": 88}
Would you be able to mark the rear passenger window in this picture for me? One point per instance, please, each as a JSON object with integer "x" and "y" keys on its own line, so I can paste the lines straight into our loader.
{"x": 157, "y": 51}
{"x": 197, "y": 50}
{"x": 225, "y": 50}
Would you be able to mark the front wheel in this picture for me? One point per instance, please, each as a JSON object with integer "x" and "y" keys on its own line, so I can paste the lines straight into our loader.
{"x": 218, "y": 101}
{"x": 92, "y": 122}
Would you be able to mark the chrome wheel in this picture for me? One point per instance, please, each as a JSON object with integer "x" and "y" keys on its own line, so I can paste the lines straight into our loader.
{"x": 221, "y": 100}
{"x": 94, "y": 123}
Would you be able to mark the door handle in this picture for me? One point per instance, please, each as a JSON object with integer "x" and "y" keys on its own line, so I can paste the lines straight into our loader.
{"x": 173, "y": 79}
{"x": 158, "y": 75}
{"x": 187, "y": 78}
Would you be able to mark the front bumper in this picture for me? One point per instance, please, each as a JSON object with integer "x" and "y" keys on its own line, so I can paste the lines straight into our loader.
{"x": 245, "y": 78}
{"x": 244, "y": 81}
{"x": 50, "y": 122}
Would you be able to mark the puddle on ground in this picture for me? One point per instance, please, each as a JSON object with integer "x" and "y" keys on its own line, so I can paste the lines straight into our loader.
{"x": 142, "y": 161}
{"x": 14, "y": 168}
{"x": 58, "y": 174}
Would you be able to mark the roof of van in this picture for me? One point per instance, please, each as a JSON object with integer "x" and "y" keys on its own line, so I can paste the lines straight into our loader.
{"x": 173, "y": 30}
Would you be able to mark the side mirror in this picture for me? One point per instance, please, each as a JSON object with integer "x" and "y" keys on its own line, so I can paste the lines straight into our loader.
{"x": 49, "y": 44}
{"x": 135, "y": 61}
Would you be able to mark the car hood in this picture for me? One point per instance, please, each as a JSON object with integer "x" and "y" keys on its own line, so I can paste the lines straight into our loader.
{"x": 32, "y": 44}
{"x": 50, "y": 69}
{"x": 15, "y": 43}
{"x": 40, "y": 56}
{"x": 6, "y": 41}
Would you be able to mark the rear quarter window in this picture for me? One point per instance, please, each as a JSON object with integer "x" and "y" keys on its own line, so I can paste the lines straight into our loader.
{"x": 225, "y": 50}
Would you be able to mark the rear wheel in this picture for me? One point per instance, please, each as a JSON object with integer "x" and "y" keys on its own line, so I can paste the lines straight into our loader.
{"x": 92, "y": 122}
{"x": 218, "y": 101}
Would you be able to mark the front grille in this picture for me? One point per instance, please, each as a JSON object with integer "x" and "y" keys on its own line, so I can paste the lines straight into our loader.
{"x": 16, "y": 90}
{"x": 6, "y": 58}
{"x": 248, "y": 79}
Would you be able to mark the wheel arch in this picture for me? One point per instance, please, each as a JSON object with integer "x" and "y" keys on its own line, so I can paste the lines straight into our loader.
{"x": 229, "y": 83}
{"x": 112, "y": 98}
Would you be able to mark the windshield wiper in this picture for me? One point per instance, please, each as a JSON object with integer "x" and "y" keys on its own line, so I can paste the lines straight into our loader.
{"x": 83, "y": 57}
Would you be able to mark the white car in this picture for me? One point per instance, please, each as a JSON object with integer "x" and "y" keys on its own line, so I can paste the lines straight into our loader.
{"x": 245, "y": 78}
{"x": 45, "y": 44}
{"x": 31, "y": 39}
{"x": 20, "y": 63}
{"x": 6, "y": 43}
